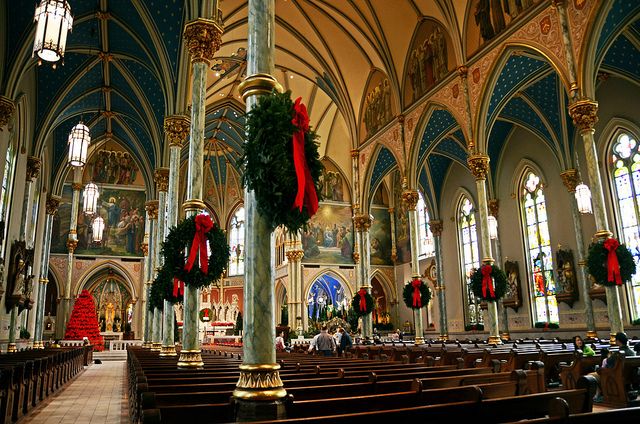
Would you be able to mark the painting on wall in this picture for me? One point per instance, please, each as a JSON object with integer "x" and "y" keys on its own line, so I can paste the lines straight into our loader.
{"x": 430, "y": 59}
{"x": 380, "y": 237}
{"x": 334, "y": 186}
{"x": 378, "y": 107}
{"x": 329, "y": 236}
{"x": 403, "y": 241}
{"x": 513, "y": 298}
{"x": 113, "y": 166}
{"x": 567, "y": 285}
{"x": 123, "y": 214}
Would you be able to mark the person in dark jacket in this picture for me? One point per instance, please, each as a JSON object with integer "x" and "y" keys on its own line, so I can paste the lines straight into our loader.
{"x": 345, "y": 342}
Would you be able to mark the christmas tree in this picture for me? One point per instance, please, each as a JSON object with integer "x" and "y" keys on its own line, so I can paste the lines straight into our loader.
{"x": 84, "y": 322}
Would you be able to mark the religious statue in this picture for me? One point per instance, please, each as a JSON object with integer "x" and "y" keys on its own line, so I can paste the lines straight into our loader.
{"x": 109, "y": 315}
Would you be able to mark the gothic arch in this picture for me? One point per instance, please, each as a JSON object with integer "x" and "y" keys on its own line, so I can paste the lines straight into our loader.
{"x": 331, "y": 272}
{"x": 103, "y": 266}
{"x": 525, "y": 165}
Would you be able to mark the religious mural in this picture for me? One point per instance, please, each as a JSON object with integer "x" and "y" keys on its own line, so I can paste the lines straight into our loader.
{"x": 429, "y": 59}
{"x": 327, "y": 298}
{"x": 488, "y": 18}
{"x": 123, "y": 214}
{"x": 329, "y": 236}
{"x": 378, "y": 107}
{"x": 403, "y": 241}
{"x": 380, "y": 237}
{"x": 113, "y": 167}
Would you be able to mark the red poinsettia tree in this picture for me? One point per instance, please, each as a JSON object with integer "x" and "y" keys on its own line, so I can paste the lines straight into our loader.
{"x": 84, "y": 322}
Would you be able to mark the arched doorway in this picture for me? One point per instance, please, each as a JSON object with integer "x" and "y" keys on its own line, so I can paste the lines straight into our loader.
{"x": 113, "y": 299}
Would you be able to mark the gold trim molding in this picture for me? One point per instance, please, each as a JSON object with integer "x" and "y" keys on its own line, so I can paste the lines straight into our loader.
{"x": 260, "y": 382}
{"x": 196, "y": 205}
{"x": 258, "y": 84}
{"x": 584, "y": 114}
{"x": 152, "y": 209}
{"x": 479, "y": 166}
{"x": 190, "y": 359}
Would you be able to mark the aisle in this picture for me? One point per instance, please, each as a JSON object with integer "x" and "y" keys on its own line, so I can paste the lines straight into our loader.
{"x": 98, "y": 395}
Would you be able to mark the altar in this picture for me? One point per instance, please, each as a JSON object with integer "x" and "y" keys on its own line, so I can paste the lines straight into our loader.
{"x": 111, "y": 335}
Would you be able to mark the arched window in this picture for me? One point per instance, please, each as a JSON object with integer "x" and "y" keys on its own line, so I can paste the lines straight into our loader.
{"x": 5, "y": 190}
{"x": 538, "y": 246}
{"x": 236, "y": 241}
{"x": 468, "y": 242}
{"x": 427, "y": 248}
{"x": 625, "y": 171}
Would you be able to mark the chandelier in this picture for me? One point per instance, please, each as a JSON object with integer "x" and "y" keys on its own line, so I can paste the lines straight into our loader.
{"x": 583, "y": 198}
{"x": 54, "y": 20}
{"x": 91, "y": 195}
{"x": 79, "y": 139}
{"x": 493, "y": 227}
{"x": 97, "y": 226}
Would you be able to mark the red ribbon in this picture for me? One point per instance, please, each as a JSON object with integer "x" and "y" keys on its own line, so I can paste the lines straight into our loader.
{"x": 486, "y": 281}
{"x": 178, "y": 287}
{"x": 613, "y": 266}
{"x": 546, "y": 326}
{"x": 363, "y": 300}
{"x": 206, "y": 313}
{"x": 417, "y": 299}
{"x": 306, "y": 194}
{"x": 199, "y": 244}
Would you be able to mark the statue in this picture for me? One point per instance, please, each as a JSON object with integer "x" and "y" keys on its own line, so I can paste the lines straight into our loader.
{"x": 109, "y": 315}
{"x": 19, "y": 286}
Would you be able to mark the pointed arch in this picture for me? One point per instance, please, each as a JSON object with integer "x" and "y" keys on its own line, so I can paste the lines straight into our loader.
{"x": 385, "y": 162}
{"x": 106, "y": 266}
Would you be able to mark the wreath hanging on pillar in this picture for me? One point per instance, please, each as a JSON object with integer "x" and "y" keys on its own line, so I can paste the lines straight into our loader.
{"x": 610, "y": 263}
{"x": 205, "y": 314}
{"x": 362, "y": 303}
{"x": 165, "y": 281}
{"x": 198, "y": 268}
{"x": 155, "y": 297}
{"x": 281, "y": 163}
{"x": 489, "y": 282}
{"x": 416, "y": 294}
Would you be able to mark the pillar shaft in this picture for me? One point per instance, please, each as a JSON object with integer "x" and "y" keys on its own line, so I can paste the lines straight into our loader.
{"x": 436, "y": 229}
{"x": 363, "y": 247}
{"x": 152, "y": 215}
{"x": 410, "y": 198}
{"x": 72, "y": 243}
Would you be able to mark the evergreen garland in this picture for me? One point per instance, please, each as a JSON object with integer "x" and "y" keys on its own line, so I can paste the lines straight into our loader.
{"x": 202, "y": 312}
{"x": 165, "y": 281}
{"x": 355, "y": 304}
{"x": 407, "y": 295}
{"x": 597, "y": 263}
{"x": 176, "y": 246}
{"x": 500, "y": 283}
{"x": 267, "y": 163}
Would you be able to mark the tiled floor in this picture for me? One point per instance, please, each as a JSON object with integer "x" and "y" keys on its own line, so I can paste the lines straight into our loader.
{"x": 97, "y": 395}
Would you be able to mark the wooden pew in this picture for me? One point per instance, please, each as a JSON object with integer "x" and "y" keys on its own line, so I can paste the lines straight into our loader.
{"x": 615, "y": 382}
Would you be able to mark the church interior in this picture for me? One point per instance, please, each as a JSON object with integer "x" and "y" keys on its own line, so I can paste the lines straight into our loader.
{"x": 442, "y": 126}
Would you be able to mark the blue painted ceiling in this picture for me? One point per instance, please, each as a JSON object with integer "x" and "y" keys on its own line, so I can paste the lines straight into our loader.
{"x": 620, "y": 14}
{"x": 385, "y": 162}
{"x": 623, "y": 56}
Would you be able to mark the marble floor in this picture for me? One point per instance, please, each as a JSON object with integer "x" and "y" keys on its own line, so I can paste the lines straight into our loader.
{"x": 97, "y": 395}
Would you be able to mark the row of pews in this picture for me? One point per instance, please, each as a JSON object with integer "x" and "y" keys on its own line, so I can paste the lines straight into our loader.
{"x": 371, "y": 384}
{"x": 30, "y": 376}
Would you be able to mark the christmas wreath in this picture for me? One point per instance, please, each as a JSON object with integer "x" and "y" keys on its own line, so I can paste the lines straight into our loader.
{"x": 156, "y": 298}
{"x": 362, "y": 303}
{"x": 194, "y": 233}
{"x": 167, "y": 290}
{"x": 205, "y": 314}
{"x": 416, "y": 294}
{"x": 546, "y": 325}
{"x": 281, "y": 163}
{"x": 489, "y": 282}
{"x": 610, "y": 263}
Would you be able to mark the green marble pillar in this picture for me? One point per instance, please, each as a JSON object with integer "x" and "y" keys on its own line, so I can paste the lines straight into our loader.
{"x": 436, "y": 229}
{"x": 156, "y": 336}
{"x": 362, "y": 223}
{"x": 152, "y": 215}
{"x": 161, "y": 178}
{"x": 410, "y": 198}
{"x": 72, "y": 243}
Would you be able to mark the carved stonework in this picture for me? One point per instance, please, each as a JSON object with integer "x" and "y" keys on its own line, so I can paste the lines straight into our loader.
{"x": 77, "y": 186}
{"x": 204, "y": 38}
{"x": 362, "y": 222}
{"x": 7, "y": 108}
{"x": 161, "y": 178}
{"x": 479, "y": 166}
{"x": 33, "y": 168}
{"x": 152, "y": 209}
{"x": 356, "y": 257}
{"x": 177, "y": 129}
{"x": 410, "y": 198}
{"x": 494, "y": 207}
{"x": 71, "y": 245}
{"x": 145, "y": 249}
{"x": 436, "y": 227}
{"x": 570, "y": 179}
{"x": 355, "y": 153}
{"x": 259, "y": 382}
{"x": 295, "y": 255}
{"x": 584, "y": 114}
{"x": 53, "y": 202}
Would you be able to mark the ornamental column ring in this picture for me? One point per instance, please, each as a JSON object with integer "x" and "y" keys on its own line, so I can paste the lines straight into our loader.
{"x": 410, "y": 198}
{"x": 584, "y": 114}
{"x": 479, "y": 166}
{"x": 177, "y": 128}
{"x": 161, "y": 178}
{"x": 152, "y": 209}
{"x": 570, "y": 178}
{"x": 53, "y": 202}
{"x": 33, "y": 168}
{"x": 77, "y": 186}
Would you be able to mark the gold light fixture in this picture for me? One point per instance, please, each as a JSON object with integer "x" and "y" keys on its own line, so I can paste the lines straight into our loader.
{"x": 54, "y": 20}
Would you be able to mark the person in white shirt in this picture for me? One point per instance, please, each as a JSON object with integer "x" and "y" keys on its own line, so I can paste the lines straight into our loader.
{"x": 323, "y": 342}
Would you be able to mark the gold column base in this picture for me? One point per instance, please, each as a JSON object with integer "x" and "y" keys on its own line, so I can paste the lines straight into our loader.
{"x": 190, "y": 359}
{"x": 505, "y": 336}
{"x": 443, "y": 337}
{"x": 592, "y": 335}
{"x": 168, "y": 351}
{"x": 419, "y": 341}
{"x": 259, "y": 382}
{"x": 38, "y": 345}
{"x": 612, "y": 338}
{"x": 495, "y": 340}
{"x": 147, "y": 345}
{"x": 156, "y": 347}
{"x": 11, "y": 348}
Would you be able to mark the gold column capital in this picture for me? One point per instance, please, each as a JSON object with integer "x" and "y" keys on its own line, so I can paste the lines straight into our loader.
{"x": 77, "y": 186}
{"x": 145, "y": 248}
{"x": 362, "y": 222}
{"x": 410, "y": 198}
{"x": 435, "y": 225}
{"x": 479, "y": 166}
{"x": 177, "y": 128}
{"x": 33, "y": 168}
{"x": 258, "y": 84}
{"x": 295, "y": 255}
{"x": 152, "y": 209}
{"x": 570, "y": 179}
{"x": 356, "y": 257}
{"x": 391, "y": 210}
{"x": 494, "y": 207}
{"x": 355, "y": 153}
{"x": 53, "y": 202}
{"x": 204, "y": 38}
{"x": 7, "y": 109}
{"x": 161, "y": 178}
{"x": 584, "y": 113}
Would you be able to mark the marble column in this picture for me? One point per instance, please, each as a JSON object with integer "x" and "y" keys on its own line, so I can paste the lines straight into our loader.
{"x": 571, "y": 179}
{"x": 410, "y": 198}
{"x": 435, "y": 225}
{"x": 152, "y": 215}
{"x": 203, "y": 38}
{"x": 479, "y": 167}
{"x": 53, "y": 202}
{"x": 259, "y": 393}
{"x": 161, "y": 178}
{"x": 503, "y": 325}
{"x": 294, "y": 257}
{"x": 584, "y": 113}
{"x": 561, "y": 7}
{"x": 362, "y": 223}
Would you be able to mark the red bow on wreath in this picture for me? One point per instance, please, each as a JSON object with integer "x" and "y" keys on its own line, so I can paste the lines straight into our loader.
{"x": 306, "y": 188}
{"x": 206, "y": 313}
{"x": 486, "y": 281}
{"x": 417, "y": 299}
{"x": 613, "y": 266}
{"x": 363, "y": 300}
{"x": 199, "y": 244}
{"x": 178, "y": 287}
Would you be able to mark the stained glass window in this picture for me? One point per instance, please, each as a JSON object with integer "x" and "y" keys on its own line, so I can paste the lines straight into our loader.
{"x": 468, "y": 242}
{"x": 236, "y": 242}
{"x": 538, "y": 245}
{"x": 625, "y": 171}
{"x": 427, "y": 248}
{"x": 5, "y": 193}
